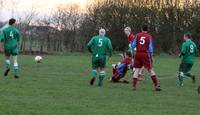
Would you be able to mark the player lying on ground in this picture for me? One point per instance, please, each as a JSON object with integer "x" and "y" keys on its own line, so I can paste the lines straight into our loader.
{"x": 100, "y": 46}
{"x": 120, "y": 70}
{"x": 143, "y": 43}
{"x": 188, "y": 53}
{"x": 10, "y": 39}
{"x": 131, "y": 38}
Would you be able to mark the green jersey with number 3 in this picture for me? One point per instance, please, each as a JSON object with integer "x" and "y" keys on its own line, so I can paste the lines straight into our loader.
{"x": 10, "y": 38}
{"x": 188, "y": 50}
{"x": 100, "y": 46}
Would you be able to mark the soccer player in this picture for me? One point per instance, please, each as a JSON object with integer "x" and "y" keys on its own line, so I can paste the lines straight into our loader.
{"x": 188, "y": 53}
{"x": 120, "y": 70}
{"x": 100, "y": 46}
{"x": 143, "y": 44}
{"x": 131, "y": 38}
{"x": 11, "y": 37}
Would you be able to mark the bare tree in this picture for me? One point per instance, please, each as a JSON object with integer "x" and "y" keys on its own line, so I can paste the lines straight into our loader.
{"x": 24, "y": 25}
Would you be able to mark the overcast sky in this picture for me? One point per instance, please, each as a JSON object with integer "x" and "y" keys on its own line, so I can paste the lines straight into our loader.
{"x": 18, "y": 8}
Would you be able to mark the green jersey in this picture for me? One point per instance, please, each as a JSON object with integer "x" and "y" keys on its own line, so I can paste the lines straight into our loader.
{"x": 188, "y": 51}
{"x": 100, "y": 46}
{"x": 10, "y": 38}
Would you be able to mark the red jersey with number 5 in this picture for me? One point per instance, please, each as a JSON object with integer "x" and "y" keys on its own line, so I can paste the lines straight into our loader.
{"x": 143, "y": 43}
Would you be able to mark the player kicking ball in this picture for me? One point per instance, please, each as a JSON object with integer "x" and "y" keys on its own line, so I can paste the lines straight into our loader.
{"x": 10, "y": 40}
{"x": 100, "y": 46}
{"x": 143, "y": 44}
{"x": 188, "y": 53}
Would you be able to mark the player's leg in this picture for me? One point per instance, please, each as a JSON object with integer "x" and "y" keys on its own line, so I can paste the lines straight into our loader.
{"x": 94, "y": 75}
{"x": 148, "y": 64}
{"x": 15, "y": 66}
{"x": 181, "y": 74}
{"x": 141, "y": 73}
{"x": 14, "y": 54}
{"x": 137, "y": 65}
{"x": 7, "y": 62}
{"x": 188, "y": 73}
{"x": 155, "y": 80}
{"x": 102, "y": 65}
{"x": 101, "y": 76}
{"x": 94, "y": 70}
{"x": 135, "y": 78}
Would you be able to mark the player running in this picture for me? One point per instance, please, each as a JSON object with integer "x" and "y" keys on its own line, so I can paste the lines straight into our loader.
{"x": 143, "y": 43}
{"x": 11, "y": 37}
{"x": 188, "y": 53}
{"x": 100, "y": 46}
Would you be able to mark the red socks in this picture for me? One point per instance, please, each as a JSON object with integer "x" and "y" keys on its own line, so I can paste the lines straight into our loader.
{"x": 135, "y": 80}
{"x": 155, "y": 80}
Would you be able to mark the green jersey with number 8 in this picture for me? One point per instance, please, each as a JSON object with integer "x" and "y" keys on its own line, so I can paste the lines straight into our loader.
{"x": 100, "y": 46}
{"x": 11, "y": 38}
{"x": 188, "y": 50}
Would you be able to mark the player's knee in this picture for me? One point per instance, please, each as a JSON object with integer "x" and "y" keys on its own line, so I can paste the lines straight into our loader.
{"x": 8, "y": 61}
{"x": 15, "y": 59}
{"x": 152, "y": 72}
{"x": 136, "y": 73}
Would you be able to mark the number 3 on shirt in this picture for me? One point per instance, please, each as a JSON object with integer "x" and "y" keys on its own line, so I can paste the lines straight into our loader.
{"x": 100, "y": 43}
{"x": 11, "y": 34}
{"x": 142, "y": 40}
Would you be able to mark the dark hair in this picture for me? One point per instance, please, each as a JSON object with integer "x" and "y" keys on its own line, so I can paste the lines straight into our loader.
{"x": 145, "y": 27}
{"x": 12, "y": 21}
{"x": 128, "y": 53}
{"x": 188, "y": 35}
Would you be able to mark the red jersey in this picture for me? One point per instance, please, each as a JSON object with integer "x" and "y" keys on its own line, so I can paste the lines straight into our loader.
{"x": 131, "y": 38}
{"x": 143, "y": 43}
{"x": 127, "y": 61}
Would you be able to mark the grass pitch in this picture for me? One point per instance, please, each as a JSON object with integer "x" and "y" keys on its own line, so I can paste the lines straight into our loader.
{"x": 60, "y": 86}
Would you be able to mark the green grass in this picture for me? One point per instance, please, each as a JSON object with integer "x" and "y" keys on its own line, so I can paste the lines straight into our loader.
{"x": 59, "y": 86}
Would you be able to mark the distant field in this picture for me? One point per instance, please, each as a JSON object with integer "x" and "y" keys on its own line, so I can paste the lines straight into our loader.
{"x": 60, "y": 86}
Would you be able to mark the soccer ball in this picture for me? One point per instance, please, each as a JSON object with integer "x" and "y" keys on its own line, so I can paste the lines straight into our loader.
{"x": 38, "y": 59}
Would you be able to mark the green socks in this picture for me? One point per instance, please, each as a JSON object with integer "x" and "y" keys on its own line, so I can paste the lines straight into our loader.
{"x": 94, "y": 73}
{"x": 180, "y": 77}
{"x": 101, "y": 77}
{"x": 16, "y": 68}
{"x": 7, "y": 64}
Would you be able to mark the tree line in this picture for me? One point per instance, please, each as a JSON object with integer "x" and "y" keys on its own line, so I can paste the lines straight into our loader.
{"x": 66, "y": 29}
